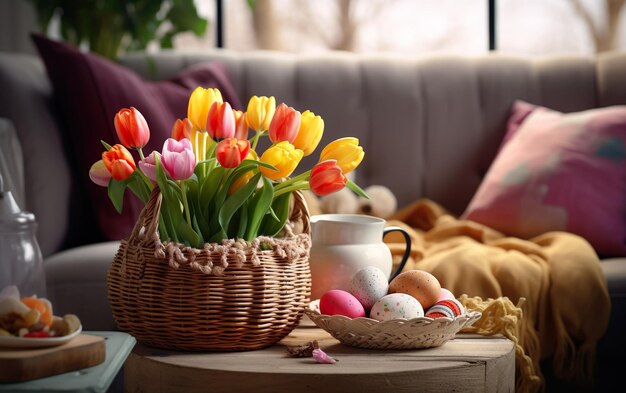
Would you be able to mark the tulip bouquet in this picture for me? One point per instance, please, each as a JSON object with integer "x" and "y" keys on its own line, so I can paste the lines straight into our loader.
{"x": 213, "y": 183}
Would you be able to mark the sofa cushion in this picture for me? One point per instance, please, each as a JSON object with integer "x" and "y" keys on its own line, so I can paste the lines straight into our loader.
{"x": 559, "y": 172}
{"x": 90, "y": 90}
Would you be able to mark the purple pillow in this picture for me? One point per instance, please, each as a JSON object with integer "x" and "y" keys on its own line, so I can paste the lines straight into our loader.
{"x": 90, "y": 90}
{"x": 559, "y": 172}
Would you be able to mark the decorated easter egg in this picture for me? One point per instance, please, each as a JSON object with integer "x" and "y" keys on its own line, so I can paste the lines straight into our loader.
{"x": 368, "y": 285}
{"x": 420, "y": 284}
{"x": 396, "y": 306}
{"x": 445, "y": 294}
{"x": 339, "y": 302}
{"x": 447, "y": 308}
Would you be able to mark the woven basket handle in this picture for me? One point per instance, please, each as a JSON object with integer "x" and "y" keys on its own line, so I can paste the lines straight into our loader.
{"x": 300, "y": 212}
{"x": 149, "y": 217}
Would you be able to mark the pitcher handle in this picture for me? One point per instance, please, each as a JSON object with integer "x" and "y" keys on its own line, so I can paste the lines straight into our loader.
{"x": 407, "y": 250}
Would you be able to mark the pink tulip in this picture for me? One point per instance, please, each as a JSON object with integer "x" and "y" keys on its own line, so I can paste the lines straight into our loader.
{"x": 178, "y": 159}
{"x": 148, "y": 166}
{"x": 182, "y": 129}
{"x": 221, "y": 121}
{"x": 99, "y": 174}
{"x": 230, "y": 152}
{"x": 131, "y": 127}
{"x": 285, "y": 124}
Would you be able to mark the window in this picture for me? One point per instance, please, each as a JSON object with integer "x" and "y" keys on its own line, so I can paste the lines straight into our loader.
{"x": 415, "y": 26}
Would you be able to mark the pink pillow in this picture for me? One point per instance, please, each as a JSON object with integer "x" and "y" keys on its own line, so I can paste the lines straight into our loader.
{"x": 559, "y": 172}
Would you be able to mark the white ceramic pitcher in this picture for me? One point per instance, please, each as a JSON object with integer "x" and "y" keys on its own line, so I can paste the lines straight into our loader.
{"x": 345, "y": 243}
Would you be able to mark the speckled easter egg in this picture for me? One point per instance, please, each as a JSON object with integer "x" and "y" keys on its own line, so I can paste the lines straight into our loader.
{"x": 338, "y": 302}
{"x": 396, "y": 306}
{"x": 447, "y": 308}
{"x": 368, "y": 285}
{"x": 445, "y": 294}
{"x": 420, "y": 284}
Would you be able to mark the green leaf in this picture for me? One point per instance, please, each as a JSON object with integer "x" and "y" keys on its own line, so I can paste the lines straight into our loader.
{"x": 356, "y": 189}
{"x": 106, "y": 145}
{"x": 116, "y": 192}
{"x": 258, "y": 207}
{"x": 209, "y": 188}
{"x": 243, "y": 222}
{"x": 271, "y": 226}
{"x": 187, "y": 234}
{"x": 259, "y": 163}
{"x": 234, "y": 202}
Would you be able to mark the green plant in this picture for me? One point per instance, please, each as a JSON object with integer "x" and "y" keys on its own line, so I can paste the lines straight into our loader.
{"x": 112, "y": 27}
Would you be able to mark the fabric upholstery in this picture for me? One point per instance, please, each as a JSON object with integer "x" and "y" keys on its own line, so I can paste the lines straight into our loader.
{"x": 559, "y": 172}
{"x": 91, "y": 90}
{"x": 441, "y": 106}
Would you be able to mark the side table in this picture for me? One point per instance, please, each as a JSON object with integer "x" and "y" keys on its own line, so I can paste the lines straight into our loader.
{"x": 95, "y": 379}
{"x": 468, "y": 363}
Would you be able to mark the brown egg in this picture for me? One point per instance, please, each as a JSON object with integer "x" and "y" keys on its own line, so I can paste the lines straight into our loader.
{"x": 420, "y": 284}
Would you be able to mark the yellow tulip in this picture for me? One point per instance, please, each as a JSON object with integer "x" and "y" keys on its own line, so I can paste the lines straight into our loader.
{"x": 199, "y": 104}
{"x": 346, "y": 151}
{"x": 260, "y": 112}
{"x": 310, "y": 133}
{"x": 244, "y": 178}
{"x": 284, "y": 156}
{"x": 200, "y": 143}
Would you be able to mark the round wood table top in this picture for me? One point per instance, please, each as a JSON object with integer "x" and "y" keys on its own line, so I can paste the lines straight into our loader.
{"x": 467, "y": 363}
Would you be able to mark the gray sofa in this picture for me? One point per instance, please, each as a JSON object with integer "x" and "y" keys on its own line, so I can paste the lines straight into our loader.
{"x": 448, "y": 112}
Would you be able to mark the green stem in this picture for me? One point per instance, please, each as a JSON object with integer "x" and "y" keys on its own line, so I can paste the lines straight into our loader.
{"x": 302, "y": 185}
{"x": 255, "y": 139}
{"x": 140, "y": 153}
{"x": 183, "y": 188}
{"x": 295, "y": 179}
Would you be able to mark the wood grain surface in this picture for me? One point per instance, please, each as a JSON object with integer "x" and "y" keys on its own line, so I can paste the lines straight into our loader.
{"x": 468, "y": 363}
{"x": 17, "y": 365}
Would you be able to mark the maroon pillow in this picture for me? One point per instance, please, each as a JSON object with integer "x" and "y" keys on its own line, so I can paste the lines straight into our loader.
{"x": 90, "y": 90}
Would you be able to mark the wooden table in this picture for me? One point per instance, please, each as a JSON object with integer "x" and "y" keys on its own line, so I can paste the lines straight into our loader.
{"x": 469, "y": 363}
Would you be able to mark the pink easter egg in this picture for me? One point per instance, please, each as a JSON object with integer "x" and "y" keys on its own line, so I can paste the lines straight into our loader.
{"x": 445, "y": 294}
{"x": 338, "y": 302}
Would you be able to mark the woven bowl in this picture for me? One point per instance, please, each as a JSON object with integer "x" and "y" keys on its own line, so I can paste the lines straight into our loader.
{"x": 369, "y": 333}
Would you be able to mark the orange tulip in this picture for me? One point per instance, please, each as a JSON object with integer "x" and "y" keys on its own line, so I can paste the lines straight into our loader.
{"x": 119, "y": 162}
{"x": 182, "y": 129}
{"x": 326, "y": 178}
{"x": 241, "y": 125}
{"x": 131, "y": 127}
{"x": 220, "y": 122}
{"x": 231, "y": 151}
{"x": 285, "y": 124}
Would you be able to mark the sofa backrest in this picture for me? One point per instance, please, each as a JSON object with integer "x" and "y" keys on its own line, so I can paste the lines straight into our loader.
{"x": 430, "y": 125}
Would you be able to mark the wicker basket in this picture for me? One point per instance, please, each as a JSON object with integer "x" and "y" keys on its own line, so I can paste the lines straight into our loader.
{"x": 176, "y": 297}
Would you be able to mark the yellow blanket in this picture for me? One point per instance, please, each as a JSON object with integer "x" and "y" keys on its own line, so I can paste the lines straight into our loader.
{"x": 567, "y": 302}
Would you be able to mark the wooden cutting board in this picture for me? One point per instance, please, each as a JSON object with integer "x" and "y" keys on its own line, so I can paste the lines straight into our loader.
{"x": 18, "y": 365}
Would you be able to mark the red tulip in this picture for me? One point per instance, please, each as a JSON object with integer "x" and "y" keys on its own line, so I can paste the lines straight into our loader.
{"x": 119, "y": 162}
{"x": 285, "y": 124}
{"x": 326, "y": 178}
{"x": 221, "y": 121}
{"x": 131, "y": 127}
{"x": 182, "y": 129}
{"x": 231, "y": 151}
